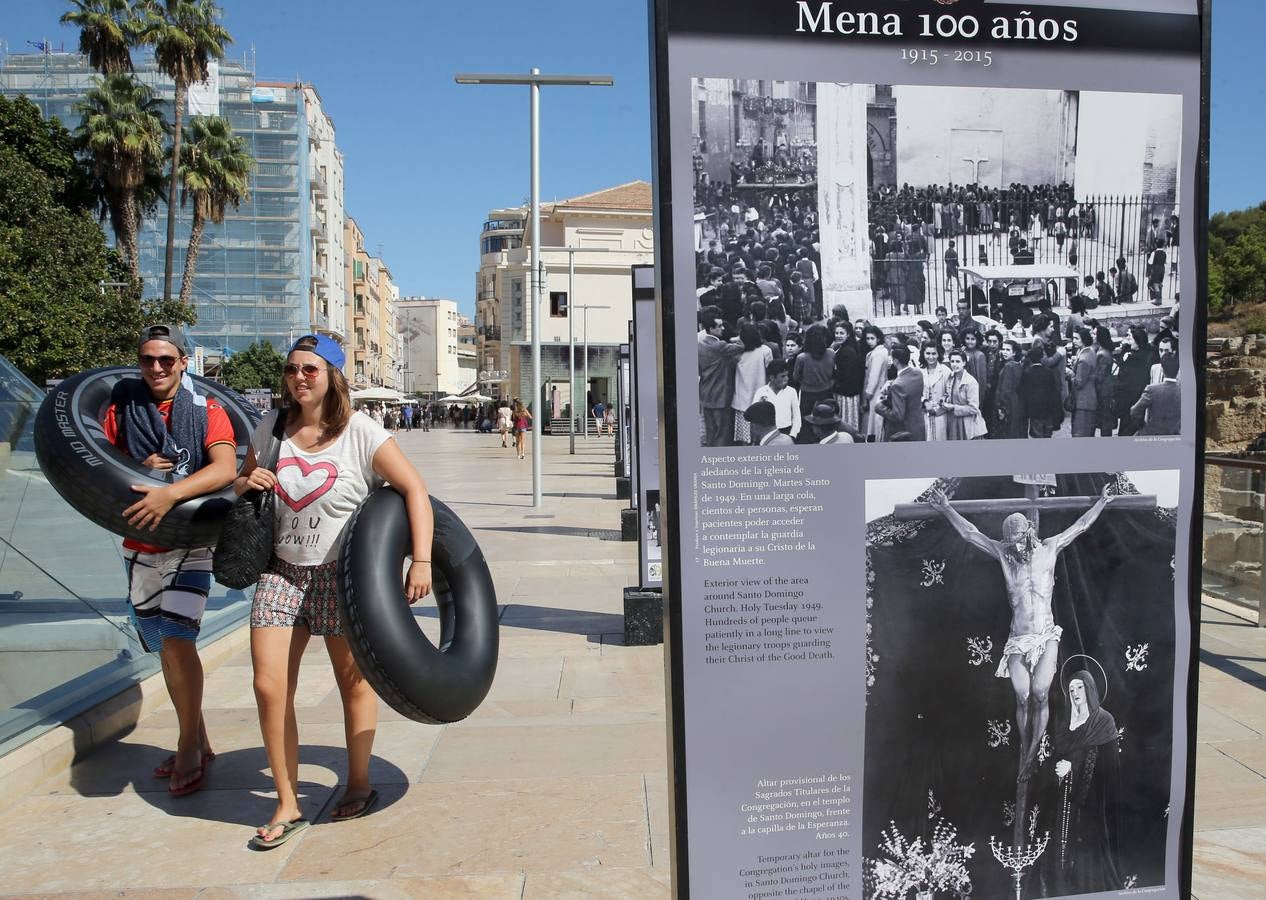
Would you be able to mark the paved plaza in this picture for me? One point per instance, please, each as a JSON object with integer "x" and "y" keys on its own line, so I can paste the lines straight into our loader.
{"x": 554, "y": 788}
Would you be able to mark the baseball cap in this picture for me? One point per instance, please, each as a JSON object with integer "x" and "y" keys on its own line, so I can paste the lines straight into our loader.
{"x": 326, "y": 347}
{"x": 168, "y": 333}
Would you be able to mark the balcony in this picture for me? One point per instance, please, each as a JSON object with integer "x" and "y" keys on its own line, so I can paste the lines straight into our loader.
{"x": 504, "y": 225}
{"x": 490, "y": 332}
{"x": 319, "y": 187}
{"x": 318, "y": 272}
{"x": 317, "y": 227}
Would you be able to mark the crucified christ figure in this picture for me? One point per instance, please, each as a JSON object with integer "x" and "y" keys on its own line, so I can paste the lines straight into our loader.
{"x": 1030, "y": 657}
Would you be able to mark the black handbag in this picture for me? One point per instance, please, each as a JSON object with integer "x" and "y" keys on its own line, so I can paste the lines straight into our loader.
{"x": 246, "y": 540}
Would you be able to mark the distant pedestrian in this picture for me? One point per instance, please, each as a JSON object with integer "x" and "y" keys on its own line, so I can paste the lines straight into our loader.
{"x": 522, "y": 422}
{"x": 408, "y": 417}
{"x": 505, "y": 421}
{"x": 599, "y": 410}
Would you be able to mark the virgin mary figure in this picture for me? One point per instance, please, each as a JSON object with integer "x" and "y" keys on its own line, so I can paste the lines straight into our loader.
{"x": 1087, "y": 769}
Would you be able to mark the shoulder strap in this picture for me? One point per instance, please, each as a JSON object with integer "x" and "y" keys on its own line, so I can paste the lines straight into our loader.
{"x": 273, "y": 450}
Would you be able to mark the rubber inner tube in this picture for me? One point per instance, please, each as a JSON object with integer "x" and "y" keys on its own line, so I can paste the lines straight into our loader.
{"x": 96, "y": 478}
{"x": 425, "y": 682}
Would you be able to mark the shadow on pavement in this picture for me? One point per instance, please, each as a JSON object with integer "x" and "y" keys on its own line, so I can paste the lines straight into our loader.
{"x": 606, "y": 534}
{"x": 564, "y": 621}
{"x": 1229, "y": 666}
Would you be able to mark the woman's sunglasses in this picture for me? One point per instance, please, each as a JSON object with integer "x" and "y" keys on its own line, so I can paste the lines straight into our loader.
{"x": 309, "y": 370}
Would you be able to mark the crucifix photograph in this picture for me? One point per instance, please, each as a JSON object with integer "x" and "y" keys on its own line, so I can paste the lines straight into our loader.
{"x": 1030, "y": 656}
{"x": 979, "y": 589}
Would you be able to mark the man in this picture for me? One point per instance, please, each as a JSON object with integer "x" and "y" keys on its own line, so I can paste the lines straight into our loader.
{"x": 902, "y": 408}
{"x": 161, "y": 421}
{"x": 599, "y": 414}
{"x": 1127, "y": 285}
{"x": 407, "y": 413}
{"x": 786, "y": 399}
{"x": 1103, "y": 289}
{"x": 1164, "y": 347}
{"x": 1085, "y": 395}
{"x": 1030, "y": 657}
{"x": 1158, "y": 410}
{"x": 761, "y": 416}
{"x": 1156, "y": 271}
{"x": 717, "y": 359}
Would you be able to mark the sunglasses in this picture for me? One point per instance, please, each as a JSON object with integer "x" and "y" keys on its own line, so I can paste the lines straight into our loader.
{"x": 309, "y": 370}
{"x": 148, "y": 361}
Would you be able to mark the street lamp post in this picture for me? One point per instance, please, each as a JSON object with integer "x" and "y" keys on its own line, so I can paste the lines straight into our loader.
{"x": 534, "y": 80}
{"x": 571, "y": 336}
{"x": 585, "y": 331}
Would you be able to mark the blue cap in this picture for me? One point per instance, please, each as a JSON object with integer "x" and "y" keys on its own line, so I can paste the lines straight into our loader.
{"x": 326, "y": 347}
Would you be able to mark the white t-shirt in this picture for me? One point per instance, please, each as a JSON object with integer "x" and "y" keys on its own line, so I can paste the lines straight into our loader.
{"x": 504, "y": 415}
{"x": 318, "y": 492}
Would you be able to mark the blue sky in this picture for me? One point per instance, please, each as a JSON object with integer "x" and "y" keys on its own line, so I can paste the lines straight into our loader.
{"x": 427, "y": 159}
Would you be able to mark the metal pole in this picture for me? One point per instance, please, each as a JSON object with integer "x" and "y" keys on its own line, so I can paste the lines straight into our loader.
{"x": 537, "y": 424}
{"x": 585, "y": 327}
{"x": 571, "y": 352}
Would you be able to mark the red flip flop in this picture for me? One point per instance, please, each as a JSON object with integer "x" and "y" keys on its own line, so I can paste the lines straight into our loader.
{"x": 195, "y": 785}
{"x": 167, "y": 766}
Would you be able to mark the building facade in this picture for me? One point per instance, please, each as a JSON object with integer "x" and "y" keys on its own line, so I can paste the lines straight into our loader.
{"x": 373, "y": 334}
{"x": 440, "y": 352}
{"x": 617, "y": 221}
{"x": 268, "y": 271}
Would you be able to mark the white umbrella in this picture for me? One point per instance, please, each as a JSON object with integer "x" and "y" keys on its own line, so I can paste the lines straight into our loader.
{"x": 378, "y": 393}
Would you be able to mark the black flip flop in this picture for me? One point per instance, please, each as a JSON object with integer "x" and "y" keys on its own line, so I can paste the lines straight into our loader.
{"x": 367, "y": 803}
{"x": 288, "y": 830}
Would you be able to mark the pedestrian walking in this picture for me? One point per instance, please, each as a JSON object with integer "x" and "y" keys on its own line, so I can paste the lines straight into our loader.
{"x": 297, "y": 595}
{"x": 522, "y": 422}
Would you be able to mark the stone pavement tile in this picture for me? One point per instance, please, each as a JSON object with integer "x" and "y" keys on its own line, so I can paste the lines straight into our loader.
{"x": 460, "y": 887}
{"x": 507, "y": 826}
{"x": 598, "y": 884}
{"x": 625, "y": 708}
{"x": 521, "y": 643}
{"x": 1228, "y": 794}
{"x": 1229, "y": 864}
{"x": 530, "y": 751}
{"x": 234, "y": 686}
{"x": 1251, "y": 753}
{"x": 1213, "y": 726}
{"x": 518, "y": 712}
{"x": 531, "y": 678}
{"x": 638, "y": 671}
{"x": 565, "y": 592}
{"x": 657, "y": 801}
{"x": 138, "y": 841}
{"x": 1244, "y": 703}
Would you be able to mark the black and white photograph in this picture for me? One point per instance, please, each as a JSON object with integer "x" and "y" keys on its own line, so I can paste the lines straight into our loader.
{"x": 1020, "y": 665}
{"x": 1010, "y": 270}
{"x": 654, "y": 541}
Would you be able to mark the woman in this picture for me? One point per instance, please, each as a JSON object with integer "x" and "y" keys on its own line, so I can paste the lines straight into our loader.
{"x": 1134, "y": 365}
{"x": 749, "y": 377}
{"x": 947, "y": 340}
{"x": 876, "y": 370}
{"x": 522, "y": 422}
{"x": 1008, "y": 409}
{"x": 814, "y": 372}
{"x": 935, "y": 373}
{"x": 961, "y": 401}
{"x": 850, "y": 374}
{"x": 777, "y": 314}
{"x": 297, "y": 595}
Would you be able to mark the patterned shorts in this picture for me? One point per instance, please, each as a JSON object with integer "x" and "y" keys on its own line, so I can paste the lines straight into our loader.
{"x": 290, "y": 595}
{"x": 169, "y": 592}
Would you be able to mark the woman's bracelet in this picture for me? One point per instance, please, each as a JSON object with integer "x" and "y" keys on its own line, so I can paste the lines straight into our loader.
{"x": 427, "y": 561}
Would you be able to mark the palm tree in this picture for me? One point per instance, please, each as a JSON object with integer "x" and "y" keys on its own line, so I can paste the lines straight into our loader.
{"x": 186, "y": 35}
{"x": 107, "y": 30}
{"x": 122, "y": 130}
{"x": 215, "y": 170}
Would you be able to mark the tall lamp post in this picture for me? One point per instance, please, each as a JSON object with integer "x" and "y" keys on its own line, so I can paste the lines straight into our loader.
{"x": 534, "y": 80}
{"x": 585, "y": 332}
{"x": 571, "y": 337}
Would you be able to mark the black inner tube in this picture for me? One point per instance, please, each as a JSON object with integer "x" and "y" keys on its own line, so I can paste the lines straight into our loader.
{"x": 418, "y": 679}
{"x": 95, "y": 477}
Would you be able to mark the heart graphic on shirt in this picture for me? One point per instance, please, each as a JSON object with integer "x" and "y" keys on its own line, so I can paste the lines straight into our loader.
{"x": 313, "y": 481}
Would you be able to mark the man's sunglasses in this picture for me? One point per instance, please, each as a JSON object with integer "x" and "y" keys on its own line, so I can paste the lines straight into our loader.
{"x": 309, "y": 370}
{"x": 148, "y": 361}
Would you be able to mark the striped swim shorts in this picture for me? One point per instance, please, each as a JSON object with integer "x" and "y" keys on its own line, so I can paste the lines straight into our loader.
{"x": 168, "y": 593}
{"x": 288, "y": 595}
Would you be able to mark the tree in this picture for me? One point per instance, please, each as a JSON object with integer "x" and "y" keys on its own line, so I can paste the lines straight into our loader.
{"x": 54, "y": 258}
{"x": 214, "y": 173}
{"x": 258, "y": 366}
{"x": 47, "y": 145}
{"x": 107, "y": 31}
{"x": 186, "y": 35}
{"x": 122, "y": 131}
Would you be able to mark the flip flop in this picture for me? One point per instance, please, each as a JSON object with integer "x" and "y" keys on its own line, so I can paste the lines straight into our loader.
{"x": 167, "y": 766}
{"x": 195, "y": 785}
{"x": 367, "y": 804}
{"x": 288, "y": 830}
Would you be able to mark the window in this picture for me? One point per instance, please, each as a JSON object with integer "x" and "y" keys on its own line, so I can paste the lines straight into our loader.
{"x": 558, "y": 304}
